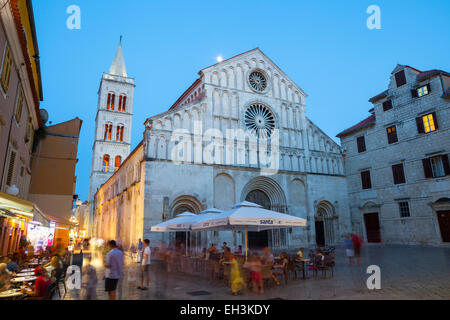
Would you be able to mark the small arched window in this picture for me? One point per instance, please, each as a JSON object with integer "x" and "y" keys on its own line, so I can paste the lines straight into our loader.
{"x": 119, "y": 133}
{"x": 117, "y": 162}
{"x": 105, "y": 166}
{"x": 122, "y": 103}
{"x": 110, "y": 101}
{"x": 108, "y": 131}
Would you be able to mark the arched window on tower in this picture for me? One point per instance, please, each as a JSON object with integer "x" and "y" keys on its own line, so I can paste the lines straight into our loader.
{"x": 117, "y": 162}
{"x": 122, "y": 103}
{"x": 108, "y": 131}
{"x": 110, "y": 101}
{"x": 119, "y": 133}
{"x": 105, "y": 165}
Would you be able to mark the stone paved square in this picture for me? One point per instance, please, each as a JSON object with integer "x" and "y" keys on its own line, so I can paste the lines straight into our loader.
{"x": 407, "y": 272}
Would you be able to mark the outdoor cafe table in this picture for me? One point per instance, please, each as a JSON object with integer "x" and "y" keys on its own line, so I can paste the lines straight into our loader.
{"x": 11, "y": 294}
{"x": 27, "y": 270}
{"x": 22, "y": 279}
{"x": 25, "y": 274}
{"x": 303, "y": 262}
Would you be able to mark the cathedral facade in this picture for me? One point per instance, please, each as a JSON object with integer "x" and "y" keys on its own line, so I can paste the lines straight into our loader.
{"x": 238, "y": 133}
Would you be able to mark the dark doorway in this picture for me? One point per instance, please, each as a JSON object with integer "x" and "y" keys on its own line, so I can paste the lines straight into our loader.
{"x": 320, "y": 233}
{"x": 258, "y": 240}
{"x": 444, "y": 224}
{"x": 180, "y": 238}
{"x": 372, "y": 224}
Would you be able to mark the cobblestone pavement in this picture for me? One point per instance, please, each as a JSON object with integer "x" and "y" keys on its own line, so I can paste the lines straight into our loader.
{"x": 407, "y": 272}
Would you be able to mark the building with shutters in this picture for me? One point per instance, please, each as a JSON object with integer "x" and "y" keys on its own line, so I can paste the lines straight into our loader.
{"x": 397, "y": 161}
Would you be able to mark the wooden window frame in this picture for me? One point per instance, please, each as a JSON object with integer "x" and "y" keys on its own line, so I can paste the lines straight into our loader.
{"x": 392, "y": 136}
{"x": 428, "y": 169}
{"x": 387, "y": 105}
{"x": 366, "y": 180}
{"x": 398, "y": 175}
{"x": 400, "y": 76}
{"x": 361, "y": 144}
{"x": 404, "y": 210}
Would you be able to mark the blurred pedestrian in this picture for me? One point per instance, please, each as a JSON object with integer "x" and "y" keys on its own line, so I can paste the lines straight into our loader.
{"x": 349, "y": 249}
{"x": 114, "y": 265}
{"x": 357, "y": 245}
{"x": 145, "y": 268}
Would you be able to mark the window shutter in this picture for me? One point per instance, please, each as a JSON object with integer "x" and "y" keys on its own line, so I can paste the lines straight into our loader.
{"x": 365, "y": 180}
{"x": 398, "y": 173}
{"x": 12, "y": 162}
{"x": 414, "y": 93}
{"x": 387, "y": 105}
{"x": 400, "y": 78}
{"x": 435, "y": 120}
{"x": 361, "y": 144}
{"x": 446, "y": 164}
{"x": 427, "y": 168}
{"x": 429, "y": 88}
{"x": 420, "y": 126}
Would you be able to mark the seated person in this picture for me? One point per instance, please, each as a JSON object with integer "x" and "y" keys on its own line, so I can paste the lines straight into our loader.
{"x": 5, "y": 277}
{"x": 55, "y": 267}
{"x": 280, "y": 268}
{"x": 267, "y": 257}
{"x": 300, "y": 253}
{"x": 40, "y": 285}
{"x": 238, "y": 250}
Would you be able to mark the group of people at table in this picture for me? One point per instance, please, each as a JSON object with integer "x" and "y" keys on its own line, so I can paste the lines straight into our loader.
{"x": 29, "y": 278}
{"x": 254, "y": 265}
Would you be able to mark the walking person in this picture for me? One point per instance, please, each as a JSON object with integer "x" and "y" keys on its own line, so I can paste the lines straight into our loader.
{"x": 145, "y": 267}
{"x": 140, "y": 247}
{"x": 114, "y": 265}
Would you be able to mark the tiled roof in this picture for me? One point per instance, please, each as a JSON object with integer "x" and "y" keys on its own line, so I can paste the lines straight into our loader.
{"x": 366, "y": 122}
{"x": 379, "y": 96}
{"x": 430, "y": 73}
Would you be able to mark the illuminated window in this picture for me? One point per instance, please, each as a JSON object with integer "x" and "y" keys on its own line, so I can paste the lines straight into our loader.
{"x": 392, "y": 134}
{"x": 106, "y": 163}
{"x": 428, "y": 123}
{"x": 119, "y": 133}
{"x": 6, "y": 69}
{"x": 108, "y": 131}
{"x": 422, "y": 91}
{"x": 122, "y": 103}
{"x": 110, "y": 101}
{"x": 118, "y": 162}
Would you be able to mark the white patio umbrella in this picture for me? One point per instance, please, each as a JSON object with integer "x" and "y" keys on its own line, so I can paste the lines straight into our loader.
{"x": 247, "y": 216}
{"x": 164, "y": 226}
{"x": 188, "y": 221}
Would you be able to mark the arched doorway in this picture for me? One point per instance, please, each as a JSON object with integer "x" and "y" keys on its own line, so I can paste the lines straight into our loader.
{"x": 324, "y": 223}
{"x": 258, "y": 240}
{"x": 179, "y": 205}
{"x": 267, "y": 193}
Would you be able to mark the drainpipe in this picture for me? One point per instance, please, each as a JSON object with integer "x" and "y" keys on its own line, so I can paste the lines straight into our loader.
{"x": 442, "y": 83}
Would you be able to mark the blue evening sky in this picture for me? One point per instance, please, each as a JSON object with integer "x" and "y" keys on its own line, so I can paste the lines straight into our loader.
{"x": 324, "y": 46}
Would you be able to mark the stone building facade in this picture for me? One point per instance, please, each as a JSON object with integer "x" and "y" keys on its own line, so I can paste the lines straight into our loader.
{"x": 396, "y": 161}
{"x": 238, "y": 133}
